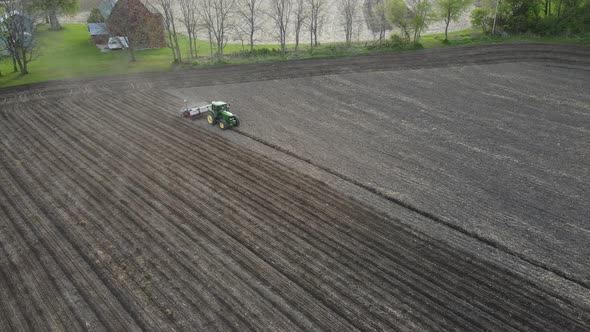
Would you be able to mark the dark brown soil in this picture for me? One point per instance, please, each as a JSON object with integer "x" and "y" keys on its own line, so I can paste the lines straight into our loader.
{"x": 116, "y": 214}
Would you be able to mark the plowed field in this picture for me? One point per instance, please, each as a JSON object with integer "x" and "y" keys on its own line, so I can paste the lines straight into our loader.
{"x": 116, "y": 214}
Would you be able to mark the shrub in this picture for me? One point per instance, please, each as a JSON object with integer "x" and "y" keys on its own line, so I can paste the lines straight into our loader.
{"x": 480, "y": 17}
{"x": 257, "y": 52}
{"x": 396, "y": 41}
{"x": 95, "y": 16}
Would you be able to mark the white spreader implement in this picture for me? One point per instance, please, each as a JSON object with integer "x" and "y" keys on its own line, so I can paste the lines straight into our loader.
{"x": 194, "y": 111}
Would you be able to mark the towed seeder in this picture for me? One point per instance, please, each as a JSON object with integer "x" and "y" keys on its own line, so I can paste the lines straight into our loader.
{"x": 194, "y": 111}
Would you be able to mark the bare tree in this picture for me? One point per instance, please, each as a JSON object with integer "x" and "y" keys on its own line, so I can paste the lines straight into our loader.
{"x": 300, "y": 16}
{"x": 348, "y": 9}
{"x": 190, "y": 19}
{"x": 210, "y": 35}
{"x": 249, "y": 11}
{"x": 165, "y": 8}
{"x": 316, "y": 9}
{"x": 217, "y": 15}
{"x": 206, "y": 15}
{"x": 280, "y": 13}
{"x": 375, "y": 18}
{"x": 17, "y": 32}
{"x": 241, "y": 32}
{"x": 53, "y": 8}
{"x": 119, "y": 23}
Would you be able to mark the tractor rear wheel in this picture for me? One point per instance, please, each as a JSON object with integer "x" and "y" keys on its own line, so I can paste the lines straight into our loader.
{"x": 223, "y": 124}
{"x": 211, "y": 119}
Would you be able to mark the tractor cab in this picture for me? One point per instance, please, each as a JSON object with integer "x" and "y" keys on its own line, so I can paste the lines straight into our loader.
{"x": 221, "y": 115}
{"x": 219, "y": 106}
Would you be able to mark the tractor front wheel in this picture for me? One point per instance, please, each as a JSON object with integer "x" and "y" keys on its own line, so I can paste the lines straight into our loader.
{"x": 223, "y": 124}
{"x": 237, "y": 122}
{"x": 211, "y": 119}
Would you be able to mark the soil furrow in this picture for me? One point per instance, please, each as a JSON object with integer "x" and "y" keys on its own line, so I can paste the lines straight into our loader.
{"x": 52, "y": 211}
{"x": 126, "y": 216}
{"x": 116, "y": 214}
{"x": 247, "y": 194}
{"x": 13, "y": 307}
{"x": 30, "y": 287}
{"x": 188, "y": 203}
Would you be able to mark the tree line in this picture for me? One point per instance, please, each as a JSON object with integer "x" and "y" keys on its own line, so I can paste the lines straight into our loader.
{"x": 544, "y": 17}
{"x": 220, "y": 21}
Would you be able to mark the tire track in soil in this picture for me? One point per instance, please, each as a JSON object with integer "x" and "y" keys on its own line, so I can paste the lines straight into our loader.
{"x": 58, "y": 279}
{"x": 59, "y": 311}
{"x": 189, "y": 202}
{"x": 106, "y": 323}
{"x": 277, "y": 235}
{"x": 25, "y": 236}
{"x": 422, "y": 212}
{"x": 115, "y": 311}
{"x": 127, "y": 214}
{"x": 12, "y": 307}
{"x": 25, "y": 283}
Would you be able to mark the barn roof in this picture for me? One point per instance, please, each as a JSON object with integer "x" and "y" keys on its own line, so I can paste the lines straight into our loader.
{"x": 106, "y": 7}
{"x": 97, "y": 29}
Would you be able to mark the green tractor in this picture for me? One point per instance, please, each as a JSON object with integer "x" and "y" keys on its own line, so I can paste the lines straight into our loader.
{"x": 220, "y": 114}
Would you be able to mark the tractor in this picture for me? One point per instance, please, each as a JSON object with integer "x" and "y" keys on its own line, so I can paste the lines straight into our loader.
{"x": 220, "y": 114}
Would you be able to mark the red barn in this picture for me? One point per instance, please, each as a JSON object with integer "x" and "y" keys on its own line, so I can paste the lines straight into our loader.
{"x": 132, "y": 18}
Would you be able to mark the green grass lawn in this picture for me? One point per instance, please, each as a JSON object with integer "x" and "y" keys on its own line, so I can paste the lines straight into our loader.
{"x": 468, "y": 36}
{"x": 70, "y": 53}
